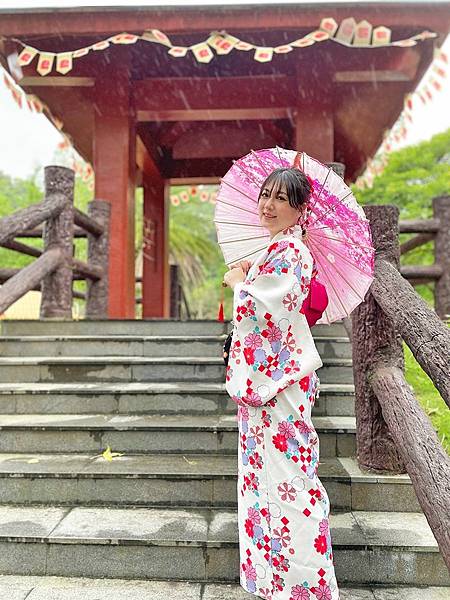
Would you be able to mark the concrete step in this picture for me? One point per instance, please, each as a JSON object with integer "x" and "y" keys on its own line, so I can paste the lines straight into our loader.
{"x": 181, "y": 480}
{"x": 158, "y": 327}
{"x": 130, "y": 345}
{"x": 149, "y": 433}
{"x": 137, "y": 368}
{"x": 16, "y": 587}
{"x": 147, "y": 398}
{"x": 202, "y": 545}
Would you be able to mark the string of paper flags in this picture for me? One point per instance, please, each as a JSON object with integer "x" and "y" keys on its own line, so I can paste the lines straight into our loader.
{"x": 422, "y": 95}
{"x": 348, "y": 33}
{"x": 186, "y": 195}
{"x": 82, "y": 168}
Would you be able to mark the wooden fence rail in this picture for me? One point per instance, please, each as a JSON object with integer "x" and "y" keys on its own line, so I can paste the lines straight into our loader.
{"x": 392, "y": 431}
{"x": 436, "y": 229}
{"x": 57, "y": 221}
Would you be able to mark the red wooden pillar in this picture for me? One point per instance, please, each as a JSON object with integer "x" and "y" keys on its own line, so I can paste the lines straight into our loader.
{"x": 155, "y": 271}
{"x": 314, "y": 132}
{"x": 115, "y": 170}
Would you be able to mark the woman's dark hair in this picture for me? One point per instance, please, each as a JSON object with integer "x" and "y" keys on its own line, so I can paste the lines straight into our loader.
{"x": 298, "y": 188}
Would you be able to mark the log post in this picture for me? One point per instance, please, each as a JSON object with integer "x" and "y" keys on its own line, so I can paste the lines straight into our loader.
{"x": 56, "y": 301}
{"x": 441, "y": 210}
{"x": 420, "y": 327}
{"x": 98, "y": 256}
{"x": 375, "y": 342}
{"x": 427, "y": 462}
{"x": 29, "y": 278}
{"x": 175, "y": 293}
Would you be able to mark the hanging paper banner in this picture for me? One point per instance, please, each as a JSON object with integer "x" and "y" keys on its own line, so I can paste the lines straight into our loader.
{"x": 184, "y": 196}
{"x": 80, "y": 52}
{"x": 319, "y": 36}
{"x": 154, "y": 35}
{"x": 100, "y": 45}
{"x": 35, "y": 103}
{"x": 381, "y": 36}
{"x": 346, "y": 31}
{"x": 329, "y": 25}
{"x": 175, "y": 200}
{"x": 404, "y": 43}
{"x": 226, "y": 44}
{"x": 302, "y": 42}
{"x": 45, "y": 64}
{"x": 64, "y": 63}
{"x": 202, "y": 52}
{"x": 245, "y": 46}
{"x": 283, "y": 49}
{"x": 363, "y": 34}
{"x": 178, "y": 51}
{"x": 263, "y": 54}
{"x": 26, "y": 56}
{"x": 124, "y": 38}
{"x": 204, "y": 196}
{"x": 13, "y": 66}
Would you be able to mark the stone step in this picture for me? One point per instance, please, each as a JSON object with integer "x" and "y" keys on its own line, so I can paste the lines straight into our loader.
{"x": 202, "y": 545}
{"x": 17, "y": 587}
{"x": 181, "y": 480}
{"x": 147, "y": 398}
{"x": 159, "y": 327}
{"x": 23, "y": 587}
{"x": 137, "y": 368}
{"x": 139, "y": 434}
{"x": 131, "y": 345}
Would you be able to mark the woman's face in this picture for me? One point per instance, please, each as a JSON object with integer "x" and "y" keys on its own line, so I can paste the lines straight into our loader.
{"x": 275, "y": 212}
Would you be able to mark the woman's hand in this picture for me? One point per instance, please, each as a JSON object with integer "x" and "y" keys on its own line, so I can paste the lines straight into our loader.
{"x": 234, "y": 276}
{"x": 244, "y": 264}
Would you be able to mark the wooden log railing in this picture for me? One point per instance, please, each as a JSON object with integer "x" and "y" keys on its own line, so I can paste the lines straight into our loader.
{"x": 57, "y": 221}
{"x": 392, "y": 431}
{"x": 436, "y": 229}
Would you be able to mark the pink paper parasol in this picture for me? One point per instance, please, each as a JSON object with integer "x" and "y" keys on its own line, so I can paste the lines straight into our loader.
{"x": 337, "y": 232}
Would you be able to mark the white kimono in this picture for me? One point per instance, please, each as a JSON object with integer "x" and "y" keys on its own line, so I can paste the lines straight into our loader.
{"x": 284, "y": 537}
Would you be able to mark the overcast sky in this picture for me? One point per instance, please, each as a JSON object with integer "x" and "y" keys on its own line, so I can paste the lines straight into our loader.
{"x": 28, "y": 140}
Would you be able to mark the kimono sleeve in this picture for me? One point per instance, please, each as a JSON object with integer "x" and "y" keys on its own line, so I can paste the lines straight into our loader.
{"x": 266, "y": 354}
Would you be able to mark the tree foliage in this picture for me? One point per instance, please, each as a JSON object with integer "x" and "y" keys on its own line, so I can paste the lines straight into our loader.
{"x": 413, "y": 177}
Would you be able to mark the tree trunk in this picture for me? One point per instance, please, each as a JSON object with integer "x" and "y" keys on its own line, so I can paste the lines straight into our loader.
{"x": 58, "y": 231}
{"x": 98, "y": 258}
{"x": 427, "y": 463}
{"x": 423, "y": 331}
{"x": 375, "y": 341}
{"x": 29, "y": 277}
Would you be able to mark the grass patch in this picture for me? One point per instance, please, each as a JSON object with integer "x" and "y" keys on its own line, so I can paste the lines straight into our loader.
{"x": 429, "y": 398}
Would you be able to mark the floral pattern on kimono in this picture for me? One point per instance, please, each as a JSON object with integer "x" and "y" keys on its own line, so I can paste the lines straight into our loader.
{"x": 283, "y": 509}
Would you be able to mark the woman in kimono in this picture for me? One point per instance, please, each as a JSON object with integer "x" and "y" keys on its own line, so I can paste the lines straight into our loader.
{"x": 283, "y": 508}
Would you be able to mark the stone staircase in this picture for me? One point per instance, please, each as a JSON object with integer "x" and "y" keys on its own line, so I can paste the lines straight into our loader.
{"x": 160, "y": 520}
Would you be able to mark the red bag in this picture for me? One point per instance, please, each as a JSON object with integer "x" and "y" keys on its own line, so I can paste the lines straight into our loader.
{"x": 315, "y": 302}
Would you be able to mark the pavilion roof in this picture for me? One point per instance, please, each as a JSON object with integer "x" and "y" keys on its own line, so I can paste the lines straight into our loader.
{"x": 366, "y": 87}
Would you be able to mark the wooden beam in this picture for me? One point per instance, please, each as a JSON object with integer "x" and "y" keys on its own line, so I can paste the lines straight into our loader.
{"x": 232, "y": 114}
{"x": 108, "y": 20}
{"x": 419, "y": 226}
{"x": 144, "y": 161}
{"x": 57, "y": 81}
{"x": 212, "y": 98}
{"x": 193, "y": 181}
{"x": 226, "y": 140}
{"x": 370, "y": 76}
{"x": 199, "y": 168}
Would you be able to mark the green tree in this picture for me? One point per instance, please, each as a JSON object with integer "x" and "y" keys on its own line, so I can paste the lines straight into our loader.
{"x": 411, "y": 179}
